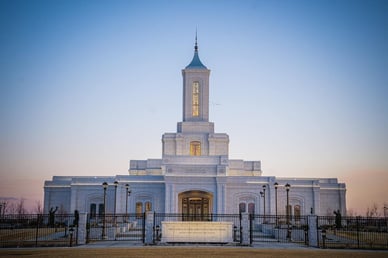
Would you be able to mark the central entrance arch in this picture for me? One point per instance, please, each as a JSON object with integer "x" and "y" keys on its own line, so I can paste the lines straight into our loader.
{"x": 195, "y": 205}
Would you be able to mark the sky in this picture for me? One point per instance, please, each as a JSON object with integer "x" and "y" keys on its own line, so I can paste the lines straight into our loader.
{"x": 86, "y": 86}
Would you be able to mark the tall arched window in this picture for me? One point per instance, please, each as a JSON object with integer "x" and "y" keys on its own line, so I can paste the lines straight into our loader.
{"x": 251, "y": 208}
{"x": 297, "y": 212}
{"x": 139, "y": 209}
{"x": 195, "y": 99}
{"x": 93, "y": 210}
{"x": 148, "y": 206}
{"x": 195, "y": 148}
{"x": 242, "y": 207}
{"x": 101, "y": 209}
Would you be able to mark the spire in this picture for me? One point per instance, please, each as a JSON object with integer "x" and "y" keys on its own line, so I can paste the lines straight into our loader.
{"x": 196, "y": 45}
{"x": 196, "y": 62}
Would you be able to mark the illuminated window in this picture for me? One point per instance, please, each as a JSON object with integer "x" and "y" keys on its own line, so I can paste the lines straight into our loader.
{"x": 195, "y": 99}
{"x": 195, "y": 148}
{"x": 148, "y": 206}
{"x": 139, "y": 209}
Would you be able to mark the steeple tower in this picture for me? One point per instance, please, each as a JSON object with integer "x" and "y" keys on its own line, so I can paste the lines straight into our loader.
{"x": 195, "y": 136}
{"x": 196, "y": 89}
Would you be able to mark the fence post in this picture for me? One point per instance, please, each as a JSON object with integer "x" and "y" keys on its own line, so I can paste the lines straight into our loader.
{"x": 358, "y": 231}
{"x": 313, "y": 228}
{"x": 251, "y": 218}
{"x": 81, "y": 231}
{"x": 244, "y": 229}
{"x": 37, "y": 230}
{"x": 149, "y": 228}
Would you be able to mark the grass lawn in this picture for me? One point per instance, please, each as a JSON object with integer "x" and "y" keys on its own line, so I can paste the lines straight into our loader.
{"x": 27, "y": 233}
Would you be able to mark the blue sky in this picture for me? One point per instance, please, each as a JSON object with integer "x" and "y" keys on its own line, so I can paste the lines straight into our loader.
{"x": 300, "y": 85}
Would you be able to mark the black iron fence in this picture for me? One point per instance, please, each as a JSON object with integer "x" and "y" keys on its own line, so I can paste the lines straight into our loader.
{"x": 129, "y": 227}
{"x": 32, "y": 230}
{"x": 281, "y": 228}
{"x": 160, "y": 217}
{"x": 352, "y": 232}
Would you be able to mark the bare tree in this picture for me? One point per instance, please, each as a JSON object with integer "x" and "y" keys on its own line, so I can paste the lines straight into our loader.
{"x": 38, "y": 207}
{"x": 372, "y": 211}
{"x": 20, "y": 207}
{"x": 11, "y": 208}
{"x": 351, "y": 213}
{"x": 3, "y": 207}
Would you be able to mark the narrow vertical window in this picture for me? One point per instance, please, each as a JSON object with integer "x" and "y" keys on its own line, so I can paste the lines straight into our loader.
{"x": 101, "y": 209}
{"x": 195, "y": 99}
{"x": 297, "y": 212}
{"x": 148, "y": 206}
{"x": 195, "y": 148}
{"x": 139, "y": 209}
{"x": 242, "y": 207}
{"x": 251, "y": 208}
{"x": 93, "y": 211}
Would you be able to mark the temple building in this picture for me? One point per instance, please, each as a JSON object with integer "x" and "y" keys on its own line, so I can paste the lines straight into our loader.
{"x": 195, "y": 175}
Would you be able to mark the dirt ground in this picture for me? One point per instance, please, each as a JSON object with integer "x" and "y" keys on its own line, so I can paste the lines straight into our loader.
{"x": 187, "y": 252}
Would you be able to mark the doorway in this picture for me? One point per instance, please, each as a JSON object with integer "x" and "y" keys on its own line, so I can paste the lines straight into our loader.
{"x": 195, "y": 205}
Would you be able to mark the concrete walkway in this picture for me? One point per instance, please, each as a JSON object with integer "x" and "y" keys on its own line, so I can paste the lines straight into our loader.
{"x": 129, "y": 244}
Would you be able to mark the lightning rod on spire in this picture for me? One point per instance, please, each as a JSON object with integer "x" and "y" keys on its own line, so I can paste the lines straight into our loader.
{"x": 196, "y": 45}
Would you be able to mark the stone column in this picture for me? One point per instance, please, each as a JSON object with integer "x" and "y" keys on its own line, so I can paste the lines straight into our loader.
{"x": 317, "y": 198}
{"x": 167, "y": 206}
{"x": 342, "y": 198}
{"x": 82, "y": 228}
{"x": 221, "y": 195}
{"x": 313, "y": 240}
{"x": 245, "y": 229}
{"x": 149, "y": 228}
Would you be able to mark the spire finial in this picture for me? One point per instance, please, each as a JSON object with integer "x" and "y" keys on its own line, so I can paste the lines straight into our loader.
{"x": 196, "y": 45}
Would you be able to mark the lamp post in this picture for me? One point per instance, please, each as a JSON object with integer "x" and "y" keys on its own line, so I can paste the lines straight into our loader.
{"x": 105, "y": 186}
{"x": 276, "y": 201}
{"x": 115, "y": 202}
{"x": 385, "y": 216}
{"x": 288, "y": 186}
{"x": 127, "y": 194}
{"x": 263, "y": 195}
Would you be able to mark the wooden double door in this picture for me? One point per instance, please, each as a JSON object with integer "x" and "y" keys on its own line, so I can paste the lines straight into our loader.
{"x": 195, "y": 208}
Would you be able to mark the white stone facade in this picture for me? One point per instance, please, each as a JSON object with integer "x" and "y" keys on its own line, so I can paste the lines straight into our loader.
{"x": 195, "y": 174}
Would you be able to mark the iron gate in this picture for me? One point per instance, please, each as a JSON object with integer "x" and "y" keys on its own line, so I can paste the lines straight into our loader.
{"x": 128, "y": 227}
{"x": 281, "y": 228}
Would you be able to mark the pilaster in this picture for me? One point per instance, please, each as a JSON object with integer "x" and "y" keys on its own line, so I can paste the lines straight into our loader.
{"x": 316, "y": 198}
{"x": 312, "y": 222}
{"x": 81, "y": 238}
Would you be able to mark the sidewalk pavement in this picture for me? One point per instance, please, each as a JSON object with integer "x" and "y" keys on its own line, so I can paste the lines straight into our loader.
{"x": 131, "y": 244}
